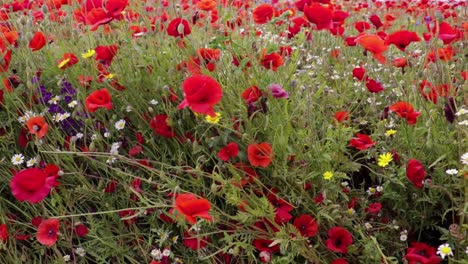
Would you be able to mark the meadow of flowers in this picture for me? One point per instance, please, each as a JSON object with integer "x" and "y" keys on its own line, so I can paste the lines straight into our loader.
{"x": 230, "y": 131}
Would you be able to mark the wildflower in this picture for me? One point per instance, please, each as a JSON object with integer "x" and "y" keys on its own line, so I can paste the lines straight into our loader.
{"x": 38, "y": 126}
{"x": 351, "y": 211}
{"x": 260, "y": 154}
{"x": 54, "y": 100}
{"x": 66, "y": 258}
{"x": 421, "y": 253}
{"x": 201, "y": 94}
{"x": 68, "y": 60}
{"x": 306, "y": 225}
{"x": 379, "y": 188}
{"x": 111, "y": 160}
{"x": 109, "y": 76}
{"x": 190, "y": 207}
{"x": 415, "y": 172}
{"x": 31, "y": 185}
{"x": 161, "y": 126}
{"x": 178, "y": 27}
{"x": 47, "y": 232}
{"x": 464, "y": 158}
{"x": 174, "y": 239}
{"x": 462, "y": 111}
{"x": 452, "y": 171}
{"x": 166, "y": 252}
{"x": 384, "y": 159}
{"x": 72, "y": 104}
{"x": 107, "y": 134}
{"x": 390, "y": 132}
{"x": 327, "y": 175}
{"x": 361, "y": 142}
{"x": 277, "y": 91}
{"x": 119, "y": 125}
{"x": 213, "y": 119}
{"x": 463, "y": 123}
{"x": 98, "y": 99}
{"x": 156, "y": 254}
{"x": 263, "y": 13}
{"x": 367, "y": 225}
{"x": 3, "y": 233}
{"x": 17, "y": 159}
{"x": 37, "y": 42}
{"x": 338, "y": 240}
{"x": 371, "y": 191}
{"x": 80, "y": 251}
{"x": 229, "y": 151}
{"x": 153, "y": 102}
{"x": 31, "y": 162}
{"x": 88, "y": 54}
{"x": 444, "y": 250}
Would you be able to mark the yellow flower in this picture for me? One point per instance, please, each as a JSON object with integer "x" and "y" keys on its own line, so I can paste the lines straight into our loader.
{"x": 109, "y": 76}
{"x": 63, "y": 63}
{"x": 351, "y": 211}
{"x": 213, "y": 119}
{"x": 327, "y": 175}
{"x": 390, "y": 132}
{"x": 384, "y": 159}
{"x": 88, "y": 54}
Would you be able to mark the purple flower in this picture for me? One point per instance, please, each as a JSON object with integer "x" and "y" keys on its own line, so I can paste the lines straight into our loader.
{"x": 277, "y": 91}
{"x": 67, "y": 88}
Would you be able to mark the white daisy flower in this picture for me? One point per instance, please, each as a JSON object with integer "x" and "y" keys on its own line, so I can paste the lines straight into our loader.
{"x": 464, "y": 158}
{"x": 80, "y": 251}
{"x": 444, "y": 250}
{"x": 17, "y": 159}
{"x": 72, "y": 104}
{"x": 31, "y": 162}
{"x": 452, "y": 171}
{"x": 54, "y": 100}
{"x": 119, "y": 125}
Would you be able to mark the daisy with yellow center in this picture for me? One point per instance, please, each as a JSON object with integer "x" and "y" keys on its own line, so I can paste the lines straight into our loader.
{"x": 444, "y": 250}
{"x": 384, "y": 159}
{"x": 328, "y": 175}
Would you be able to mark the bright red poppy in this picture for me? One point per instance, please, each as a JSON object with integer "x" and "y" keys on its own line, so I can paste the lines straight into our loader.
{"x": 47, "y": 232}
{"x": 415, "y": 172}
{"x": 375, "y": 20}
{"x": 306, "y": 225}
{"x": 339, "y": 261}
{"x": 373, "y": 44}
{"x": 341, "y": 116}
{"x": 68, "y": 60}
{"x": 191, "y": 207}
{"x": 271, "y": 60}
{"x": 161, "y": 127}
{"x": 251, "y": 94}
{"x": 359, "y": 73}
{"x": 447, "y": 33}
{"x": 319, "y": 15}
{"x": 106, "y": 53}
{"x": 201, "y": 94}
{"x": 361, "y": 142}
{"x": 374, "y": 86}
{"x": 5, "y": 63}
{"x": 338, "y": 240}
{"x": 3, "y": 233}
{"x": 31, "y": 185}
{"x": 98, "y": 99}
{"x": 37, "y": 126}
{"x": 81, "y": 230}
{"x": 374, "y": 208}
{"x": 229, "y": 151}
{"x": 402, "y": 38}
{"x": 37, "y": 42}
{"x": 178, "y": 27}
{"x": 422, "y": 253}
{"x": 405, "y": 110}
{"x": 361, "y": 26}
{"x": 260, "y": 154}
{"x": 193, "y": 242}
{"x": 263, "y": 13}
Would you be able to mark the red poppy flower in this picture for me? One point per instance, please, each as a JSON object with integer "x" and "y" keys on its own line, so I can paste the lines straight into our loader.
{"x": 31, "y": 185}
{"x": 361, "y": 142}
{"x": 373, "y": 44}
{"x": 341, "y": 116}
{"x": 97, "y": 17}
{"x": 359, "y": 73}
{"x": 68, "y": 60}
{"x": 115, "y": 8}
{"x": 191, "y": 207}
{"x": 405, "y": 110}
{"x": 319, "y": 15}
{"x": 421, "y": 253}
{"x": 251, "y": 94}
{"x": 400, "y": 62}
{"x": 98, "y": 99}
{"x": 47, "y": 232}
{"x": 339, "y": 261}
{"x": 306, "y": 225}
{"x": 5, "y": 64}
{"x": 338, "y": 240}
{"x": 271, "y": 60}
{"x": 193, "y": 242}
{"x": 260, "y": 154}
{"x": 201, "y": 94}
{"x": 415, "y": 172}
{"x": 263, "y": 13}
{"x": 37, "y": 126}
{"x": 447, "y": 33}
{"x": 402, "y": 38}
{"x": 3, "y": 233}
{"x": 374, "y": 86}
{"x": 264, "y": 245}
{"x": 161, "y": 127}
{"x": 81, "y": 230}
{"x": 37, "y": 42}
{"x": 106, "y": 53}
{"x": 206, "y": 5}
{"x": 375, "y": 20}
{"x": 361, "y": 26}
{"x": 374, "y": 208}
{"x": 178, "y": 27}
{"x": 229, "y": 151}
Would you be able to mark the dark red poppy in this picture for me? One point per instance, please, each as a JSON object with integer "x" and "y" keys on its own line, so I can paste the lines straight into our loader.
{"x": 37, "y": 42}
{"x": 402, "y": 38}
{"x": 422, "y": 253}
{"x": 201, "y": 94}
{"x": 375, "y": 20}
{"x": 271, "y": 60}
{"x": 229, "y": 151}
{"x": 374, "y": 208}
{"x": 31, "y": 185}
{"x": 359, "y": 73}
{"x": 193, "y": 242}
{"x": 81, "y": 230}
{"x": 263, "y": 13}
{"x": 106, "y": 53}
{"x": 374, "y": 86}
{"x": 319, "y": 15}
{"x": 260, "y": 154}
{"x": 98, "y": 99}
{"x": 161, "y": 127}
{"x": 47, "y": 232}
{"x": 361, "y": 142}
{"x": 405, "y": 110}
{"x": 339, "y": 261}
{"x": 251, "y": 94}
{"x": 338, "y": 240}
{"x": 361, "y": 26}
{"x": 191, "y": 207}
{"x": 306, "y": 225}
{"x": 37, "y": 126}
{"x": 178, "y": 27}
{"x": 264, "y": 245}
{"x": 415, "y": 172}
{"x": 3, "y": 233}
